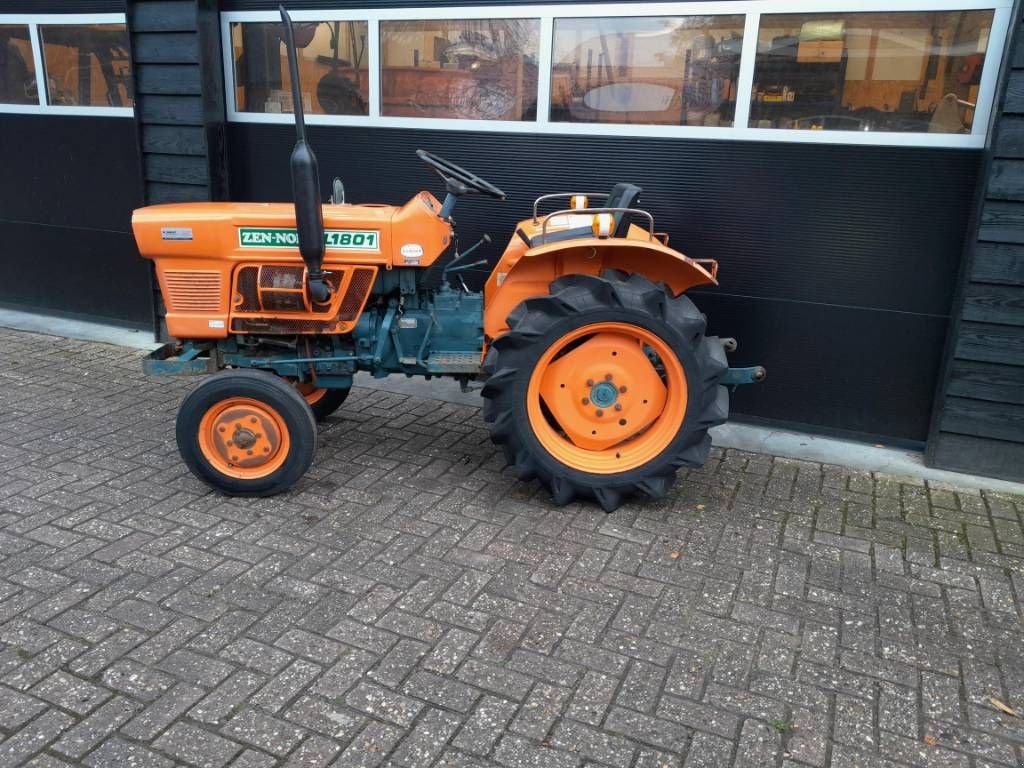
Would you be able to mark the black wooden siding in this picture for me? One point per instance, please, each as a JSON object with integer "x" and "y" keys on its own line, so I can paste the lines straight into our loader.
{"x": 180, "y": 99}
{"x": 979, "y": 416}
{"x": 179, "y": 105}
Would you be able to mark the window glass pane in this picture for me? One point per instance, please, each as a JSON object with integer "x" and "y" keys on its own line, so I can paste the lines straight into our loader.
{"x": 894, "y": 71}
{"x": 17, "y": 70}
{"x": 332, "y": 67}
{"x": 678, "y": 70}
{"x": 87, "y": 65}
{"x": 479, "y": 69}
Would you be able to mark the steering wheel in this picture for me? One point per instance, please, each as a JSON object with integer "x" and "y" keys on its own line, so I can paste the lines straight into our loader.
{"x": 470, "y": 182}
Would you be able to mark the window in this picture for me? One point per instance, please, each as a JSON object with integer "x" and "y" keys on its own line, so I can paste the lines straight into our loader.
{"x": 906, "y": 71}
{"x": 679, "y": 70}
{"x": 479, "y": 69}
{"x": 908, "y": 75}
{"x": 17, "y": 67}
{"x": 333, "y": 67}
{"x": 87, "y": 65}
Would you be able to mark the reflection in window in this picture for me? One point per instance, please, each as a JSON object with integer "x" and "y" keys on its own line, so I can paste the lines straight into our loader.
{"x": 87, "y": 65}
{"x": 898, "y": 71}
{"x": 332, "y": 67}
{"x": 646, "y": 70}
{"x": 482, "y": 69}
{"x": 17, "y": 69}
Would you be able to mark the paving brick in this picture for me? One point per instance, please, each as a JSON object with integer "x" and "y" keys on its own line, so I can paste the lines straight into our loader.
{"x": 593, "y": 744}
{"x": 517, "y": 752}
{"x": 93, "y": 729}
{"x": 441, "y": 691}
{"x": 196, "y": 746}
{"x": 411, "y": 603}
{"x": 370, "y": 747}
{"x": 29, "y": 739}
{"x": 657, "y": 732}
{"x": 118, "y": 752}
{"x": 387, "y": 705}
{"x": 426, "y": 740}
{"x": 263, "y": 731}
{"x": 162, "y": 712}
{"x": 17, "y": 708}
{"x": 483, "y": 728}
{"x": 494, "y": 678}
{"x": 327, "y": 717}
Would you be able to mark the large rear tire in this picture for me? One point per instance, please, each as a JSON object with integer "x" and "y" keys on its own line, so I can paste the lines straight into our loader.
{"x": 246, "y": 433}
{"x": 604, "y": 388}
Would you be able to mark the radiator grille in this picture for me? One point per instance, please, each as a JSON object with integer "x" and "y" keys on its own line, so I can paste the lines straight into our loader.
{"x": 360, "y": 285}
{"x": 273, "y": 288}
{"x": 278, "y": 325}
{"x": 290, "y": 278}
{"x": 193, "y": 291}
{"x": 246, "y": 288}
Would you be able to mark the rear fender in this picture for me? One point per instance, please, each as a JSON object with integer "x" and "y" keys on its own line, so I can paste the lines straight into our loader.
{"x": 522, "y": 274}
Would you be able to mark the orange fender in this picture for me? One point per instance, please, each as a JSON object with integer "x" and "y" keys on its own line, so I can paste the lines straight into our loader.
{"x": 521, "y": 273}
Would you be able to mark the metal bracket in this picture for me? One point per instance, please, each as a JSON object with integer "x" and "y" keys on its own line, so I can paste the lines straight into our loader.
{"x": 735, "y": 376}
{"x": 174, "y": 359}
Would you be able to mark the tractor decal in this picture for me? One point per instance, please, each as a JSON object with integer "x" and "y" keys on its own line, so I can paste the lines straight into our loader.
{"x": 288, "y": 237}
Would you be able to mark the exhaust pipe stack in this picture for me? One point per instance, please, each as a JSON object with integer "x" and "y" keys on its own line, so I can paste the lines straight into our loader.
{"x": 309, "y": 218}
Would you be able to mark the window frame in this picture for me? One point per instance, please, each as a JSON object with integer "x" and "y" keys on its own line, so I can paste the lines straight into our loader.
{"x": 36, "y": 20}
{"x": 752, "y": 10}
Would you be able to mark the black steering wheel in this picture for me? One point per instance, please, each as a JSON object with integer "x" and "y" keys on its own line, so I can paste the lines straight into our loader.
{"x": 465, "y": 180}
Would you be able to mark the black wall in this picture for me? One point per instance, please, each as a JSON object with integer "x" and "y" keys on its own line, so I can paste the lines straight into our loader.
{"x": 837, "y": 264}
{"x": 67, "y": 191}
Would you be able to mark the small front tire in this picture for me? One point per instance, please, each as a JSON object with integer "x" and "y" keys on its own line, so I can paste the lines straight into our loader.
{"x": 246, "y": 433}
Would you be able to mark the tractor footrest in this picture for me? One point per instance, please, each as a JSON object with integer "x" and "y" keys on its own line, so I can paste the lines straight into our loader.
{"x": 734, "y": 376}
{"x": 448, "y": 362}
{"x": 175, "y": 359}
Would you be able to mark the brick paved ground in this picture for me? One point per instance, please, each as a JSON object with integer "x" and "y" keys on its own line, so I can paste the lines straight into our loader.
{"x": 410, "y": 604}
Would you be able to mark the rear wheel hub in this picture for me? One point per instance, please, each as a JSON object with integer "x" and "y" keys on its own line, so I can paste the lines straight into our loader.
{"x": 604, "y": 394}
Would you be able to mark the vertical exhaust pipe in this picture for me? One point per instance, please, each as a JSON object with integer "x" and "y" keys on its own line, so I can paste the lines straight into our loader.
{"x": 309, "y": 217}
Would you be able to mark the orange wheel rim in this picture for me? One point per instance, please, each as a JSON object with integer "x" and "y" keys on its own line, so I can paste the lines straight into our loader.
{"x": 607, "y": 398}
{"x": 244, "y": 438}
{"x": 311, "y": 392}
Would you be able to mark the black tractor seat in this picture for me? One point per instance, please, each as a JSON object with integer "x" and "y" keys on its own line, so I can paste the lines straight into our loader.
{"x": 622, "y": 196}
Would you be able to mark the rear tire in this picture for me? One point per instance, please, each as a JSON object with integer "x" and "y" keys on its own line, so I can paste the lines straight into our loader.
{"x": 604, "y": 388}
{"x": 246, "y": 433}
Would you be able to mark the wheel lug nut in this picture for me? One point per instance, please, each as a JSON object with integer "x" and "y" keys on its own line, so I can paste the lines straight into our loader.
{"x": 249, "y": 453}
{"x": 221, "y": 429}
{"x": 253, "y": 419}
{"x": 590, "y": 382}
{"x": 622, "y": 389}
{"x": 600, "y": 412}
{"x": 586, "y": 401}
{"x": 607, "y": 377}
{"x": 618, "y": 406}
{"x": 230, "y": 443}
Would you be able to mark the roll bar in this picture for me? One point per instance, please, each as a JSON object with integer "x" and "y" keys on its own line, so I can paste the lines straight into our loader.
{"x": 556, "y": 195}
{"x": 580, "y": 211}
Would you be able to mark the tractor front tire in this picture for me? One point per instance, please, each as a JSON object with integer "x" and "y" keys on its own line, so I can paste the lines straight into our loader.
{"x": 604, "y": 388}
{"x": 246, "y": 433}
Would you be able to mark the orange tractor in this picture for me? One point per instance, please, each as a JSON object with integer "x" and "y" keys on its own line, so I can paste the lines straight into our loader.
{"x": 598, "y": 378}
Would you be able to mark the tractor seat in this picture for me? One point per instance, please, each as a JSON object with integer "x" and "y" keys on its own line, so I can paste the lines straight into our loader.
{"x": 622, "y": 196}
